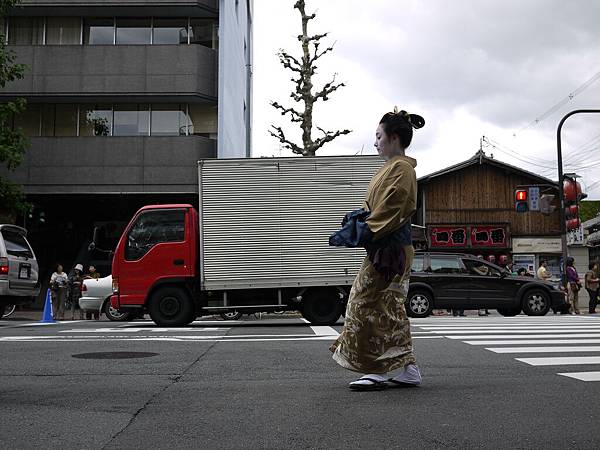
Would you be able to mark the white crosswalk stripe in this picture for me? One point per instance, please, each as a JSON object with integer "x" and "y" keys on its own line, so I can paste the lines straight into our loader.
{"x": 557, "y": 338}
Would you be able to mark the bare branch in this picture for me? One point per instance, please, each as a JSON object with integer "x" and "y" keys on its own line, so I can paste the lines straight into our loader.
{"x": 329, "y": 136}
{"x": 289, "y": 62}
{"x": 328, "y": 89}
{"x": 279, "y": 134}
{"x": 296, "y": 116}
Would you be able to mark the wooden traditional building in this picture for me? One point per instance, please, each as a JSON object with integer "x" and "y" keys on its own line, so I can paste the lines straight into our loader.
{"x": 470, "y": 208}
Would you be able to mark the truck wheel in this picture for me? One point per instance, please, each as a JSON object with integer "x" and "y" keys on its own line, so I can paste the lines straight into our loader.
{"x": 113, "y": 314}
{"x": 536, "y": 302}
{"x": 322, "y": 307}
{"x": 171, "y": 306}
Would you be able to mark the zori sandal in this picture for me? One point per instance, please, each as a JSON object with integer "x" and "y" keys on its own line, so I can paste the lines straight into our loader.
{"x": 369, "y": 383}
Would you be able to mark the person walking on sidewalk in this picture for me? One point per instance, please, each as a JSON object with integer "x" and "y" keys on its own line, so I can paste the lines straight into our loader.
{"x": 376, "y": 337}
{"x": 591, "y": 286}
{"x": 573, "y": 285}
{"x": 92, "y": 274}
{"x": 75, "y": 282}
{"x": 59, "y": 289}
{"x": 542, "y": 272}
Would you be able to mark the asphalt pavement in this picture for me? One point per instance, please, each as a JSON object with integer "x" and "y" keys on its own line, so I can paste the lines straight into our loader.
{"x": 270, "y": 383}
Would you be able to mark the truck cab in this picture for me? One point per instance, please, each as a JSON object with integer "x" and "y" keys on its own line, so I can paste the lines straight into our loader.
{"x": 155, "y": 265}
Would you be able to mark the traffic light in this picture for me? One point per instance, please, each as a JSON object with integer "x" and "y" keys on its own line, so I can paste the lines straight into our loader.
{"x": 521, "y": 204}
{"x": 546, "y": 206}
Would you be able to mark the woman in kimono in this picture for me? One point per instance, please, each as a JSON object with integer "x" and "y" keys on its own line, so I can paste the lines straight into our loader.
{"x": 376, "y": 339}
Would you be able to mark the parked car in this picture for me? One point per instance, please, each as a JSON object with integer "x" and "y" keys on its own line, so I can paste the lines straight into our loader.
{"x": 95, "y": 297}
{"x": 19, "y": 272}
{"x": 459, "y": 281}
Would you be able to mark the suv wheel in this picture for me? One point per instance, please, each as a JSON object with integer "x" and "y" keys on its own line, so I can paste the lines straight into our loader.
{"x": 232, "y": 315}
{"x": 536, "y": 302}
{"x": 509, "y": 312}
{"x": 419, "y": 304}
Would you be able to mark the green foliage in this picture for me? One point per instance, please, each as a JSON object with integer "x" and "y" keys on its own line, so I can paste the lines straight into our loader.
{"x": 588, "y": 209}
{"x": 13, "y": 143}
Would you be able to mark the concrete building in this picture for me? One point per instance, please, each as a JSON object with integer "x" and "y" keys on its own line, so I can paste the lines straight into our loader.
{"x": 124, "y": 97}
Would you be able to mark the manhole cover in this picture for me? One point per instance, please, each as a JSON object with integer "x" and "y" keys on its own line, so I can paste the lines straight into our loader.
{"x": 114, "y": 355}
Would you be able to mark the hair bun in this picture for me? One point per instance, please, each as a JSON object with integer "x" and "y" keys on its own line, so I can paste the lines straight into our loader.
{"x": 416, "y": 121}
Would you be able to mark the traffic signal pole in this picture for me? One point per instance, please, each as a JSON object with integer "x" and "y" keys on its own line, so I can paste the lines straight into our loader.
{"x": 563, "y": 225}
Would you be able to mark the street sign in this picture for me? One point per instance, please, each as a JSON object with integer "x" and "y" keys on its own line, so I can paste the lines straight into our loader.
{"x": 534, "y": 199}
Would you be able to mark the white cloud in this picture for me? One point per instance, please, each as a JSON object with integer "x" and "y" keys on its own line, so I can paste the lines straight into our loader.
{"x": 471, "y": 68}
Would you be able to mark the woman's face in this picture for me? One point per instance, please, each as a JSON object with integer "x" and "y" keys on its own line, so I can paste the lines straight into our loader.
{"x": 59, "y": 268}
{"x": 385, "y": 146}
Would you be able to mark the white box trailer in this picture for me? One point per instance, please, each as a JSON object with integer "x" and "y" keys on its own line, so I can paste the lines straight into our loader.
{"x": 264, "y": 230}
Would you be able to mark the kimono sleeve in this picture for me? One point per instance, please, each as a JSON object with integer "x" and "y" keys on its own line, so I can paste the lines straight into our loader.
{"x": 394, "y": 201}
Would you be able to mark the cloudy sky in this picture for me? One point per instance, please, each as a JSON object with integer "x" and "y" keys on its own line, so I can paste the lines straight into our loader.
{"x": 508, "y": 70}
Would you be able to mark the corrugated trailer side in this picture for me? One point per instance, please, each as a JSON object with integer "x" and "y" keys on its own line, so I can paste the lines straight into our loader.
{"x": 265, "y": 223}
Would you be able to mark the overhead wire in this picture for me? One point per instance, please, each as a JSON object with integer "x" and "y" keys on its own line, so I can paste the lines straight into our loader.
{"x": 561, "y": 103}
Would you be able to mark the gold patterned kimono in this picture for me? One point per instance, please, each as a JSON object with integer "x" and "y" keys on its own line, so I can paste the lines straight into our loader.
{"x": 376, "y": 335}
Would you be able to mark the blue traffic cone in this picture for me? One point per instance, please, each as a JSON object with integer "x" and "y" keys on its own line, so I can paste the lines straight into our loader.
{"x": 47, "y": 316}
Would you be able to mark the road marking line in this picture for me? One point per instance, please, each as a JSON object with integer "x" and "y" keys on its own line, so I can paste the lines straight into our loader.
{"x": 523, "y": 336}
{"x": 136, "y": 330}
{"x": 589, "y": 348}
{"x": 533, "y": 341}
{"x": 240, "y": 338}
{"x": 517, "y": 327}
{"x": 524, "y": 331}
{"x": 324, "y": 331}
{"x": 560, "y": 361}
{"x": 583, "y": 376}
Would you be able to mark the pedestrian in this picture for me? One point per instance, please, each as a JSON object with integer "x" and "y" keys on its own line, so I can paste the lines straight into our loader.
{"x": 75, "y": 281}
{"x": 591, "y": 286}
{"x": 92, "y": 274}
{"x": 542, "y": 272}
{"x": 376, "y": 337}
{"x": 59, "y": 289}
{"x": 573, "y": 285}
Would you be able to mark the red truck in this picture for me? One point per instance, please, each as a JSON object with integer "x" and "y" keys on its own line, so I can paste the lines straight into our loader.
{"x": 258, "y": 242}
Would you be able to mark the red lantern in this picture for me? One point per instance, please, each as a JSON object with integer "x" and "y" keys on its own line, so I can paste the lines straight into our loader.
{"x": 503, "y": 260}
{"x": 571, "y": 190}
{"x": 573, "y": 224}
{"x": 491, "y": 258}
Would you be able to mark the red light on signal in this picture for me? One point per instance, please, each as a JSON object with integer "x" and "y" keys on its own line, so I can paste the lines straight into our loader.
{"x": 521, "y": 196}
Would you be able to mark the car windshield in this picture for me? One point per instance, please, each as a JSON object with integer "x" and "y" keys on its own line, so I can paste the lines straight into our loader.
{"x": 16, "y": 245}
{"x": 417, "y": 264}
{"x": 445, "y": 264}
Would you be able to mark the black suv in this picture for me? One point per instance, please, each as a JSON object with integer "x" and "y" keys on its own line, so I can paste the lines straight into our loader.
{"x": 459, "y": 281}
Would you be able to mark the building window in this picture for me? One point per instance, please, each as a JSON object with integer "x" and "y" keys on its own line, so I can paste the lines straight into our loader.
{"x": 29, "y": 120}
{"x": 99, "y": 31}
{"x": 63, "y": 31}
{"x": 170, "y": 31}
{"x": 65, "y": 123}
{"x": 95, "y": 120}
{"x": 168, "y": 120}
{"x": 204, "y": 32}
{"x": 203, "y": 120}
{"x": 131, "y": 120}
{"x": 48, "y": 113}
{"x": 133, "y": 31}
{"x": 26, "y": 31}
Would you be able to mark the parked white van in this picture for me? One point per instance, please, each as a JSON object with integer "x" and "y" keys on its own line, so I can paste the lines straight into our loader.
{"x": 19, "y": 271}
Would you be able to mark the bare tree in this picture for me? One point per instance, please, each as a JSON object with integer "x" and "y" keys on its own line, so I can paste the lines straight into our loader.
{"x": 303, "y": 71}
